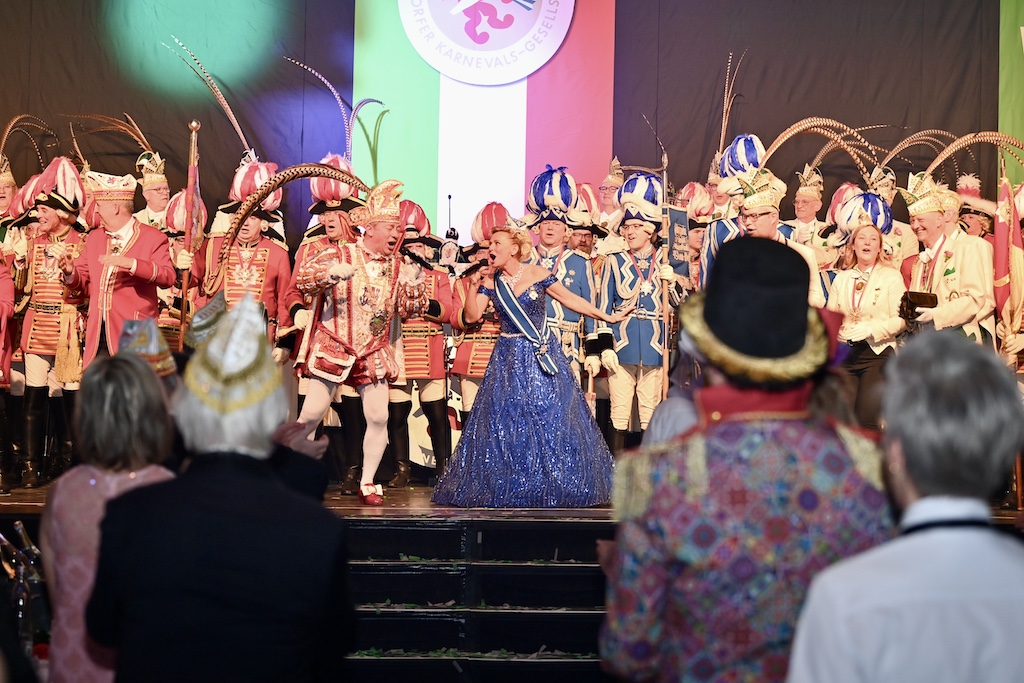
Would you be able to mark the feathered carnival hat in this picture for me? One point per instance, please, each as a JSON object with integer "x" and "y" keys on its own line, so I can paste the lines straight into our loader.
{"x": 104, "y": 187}
{"x": 742, "y": 156}
{"x": 752, "y": 321}
{"x": 552, "y": 197}
{"x": 615, "y": 177}
{"x": 413, "y": 219}
{"x": 249, "y": 176}
{"x": 587, "y": 211}
{"x": 143, "y": 339}
{"x": 23, "y": 201}
{"x": 923, "y": 195}
{"x": 60, "y": 187}
{"x": 151, "y": 166}
{"x": 383, "y": 205}
{"x": 6, "y": 176}
{"x": 759, "y": 188}
{"x": 234, "y": 369}
{"x": 969, "y": 188}
{"x": 177, "y": 219}
{"x": 333, "y": 195}
{"x": 882, "y": 181}
{"x": 640, "y": 198}
{"x": 700, "y": 206}
{"x": 489, "y": 217}
{"x": 811, "y": 183}
{"x": 205, "y": 320}
{"x": 865, "y": 208}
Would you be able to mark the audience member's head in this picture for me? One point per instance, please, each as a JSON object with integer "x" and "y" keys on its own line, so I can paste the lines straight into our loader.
{"x": 143, "y": 338}
{"x": 121, "y": 420}
{"x": 752, "y": 323}
{"x": 954, "y": 420}
{"x": 232, "y": 399}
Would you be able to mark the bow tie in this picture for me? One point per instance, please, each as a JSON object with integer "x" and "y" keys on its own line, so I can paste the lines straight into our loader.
{"x": 925, "y": 256}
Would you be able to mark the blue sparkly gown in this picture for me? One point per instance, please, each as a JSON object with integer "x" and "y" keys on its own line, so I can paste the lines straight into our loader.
{"x": 530, "y": 440}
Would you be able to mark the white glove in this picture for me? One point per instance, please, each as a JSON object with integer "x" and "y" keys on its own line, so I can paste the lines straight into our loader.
{"x": 183, "y": 260}
{"x": 925, "y": 315}
{"x": 592, "y": 364}
{"x": 301, "y": 318}
{"x": 19, "y": 245}
{"x": 857, "y": 332}
{"x": 340, "y": 271}
{"x": 56, "y": 250}
{"x": 610, "y": 361}
{"x": 1014, "y": 345}
{"x": 667, "y": 273}
{"x": 280, "y": 355}
{"x": 411, "y": 273}
{"x": 804, "y": 234}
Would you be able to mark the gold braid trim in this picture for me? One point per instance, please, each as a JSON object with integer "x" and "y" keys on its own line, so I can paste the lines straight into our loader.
{"x": 697, "y": 482}
{"x": 865, "y": 453}
{"x": 67, "y": 364}
{"x": 799, "y": 365}
{"x": 631, "y": 483}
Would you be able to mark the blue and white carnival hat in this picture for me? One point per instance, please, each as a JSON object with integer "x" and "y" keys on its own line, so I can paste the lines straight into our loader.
{"x": 641, "y": 197}
{"x": 741, "y": 157}
{"x": 552, "y": 197}
{"x": 866, "y": 208}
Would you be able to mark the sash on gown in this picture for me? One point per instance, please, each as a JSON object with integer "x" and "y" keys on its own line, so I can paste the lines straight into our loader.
{"x": 507, "y": 299}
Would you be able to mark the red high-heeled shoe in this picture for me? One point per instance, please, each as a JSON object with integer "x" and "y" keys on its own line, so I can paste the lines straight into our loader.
{"x": 371, "y": 494}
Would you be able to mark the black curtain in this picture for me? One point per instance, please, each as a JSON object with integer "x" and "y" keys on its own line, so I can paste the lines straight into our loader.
{"x": 909, "y": 64}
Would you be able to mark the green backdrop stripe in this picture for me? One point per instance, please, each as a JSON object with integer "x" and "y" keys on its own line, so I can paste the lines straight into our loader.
{"x": 1011, "y": 77}
{"x": 387, "y": 68}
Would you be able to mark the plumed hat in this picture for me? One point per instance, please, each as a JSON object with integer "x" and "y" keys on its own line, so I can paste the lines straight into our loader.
{"x": 205, "y": 320}
{"x": 743, "y": 155}
{"x": 234, "y": 369}
{"x": 382, "y": 205}
{"x": 143, "y": 339}
{"x": 969, "y": 188}
{"x": 752, "y": 321}
{"x": 882, "y": 181}
{"x": 641, "y": 197}
{"x": 701, "y": 206}
{"x": 811, "y": 183}
{"x": 865, "y": 208}
{"x": 6, "y": 176}
{"x": 60, "y": 186}
{"x": 249, "y": 176}
{"x": 552, "y": 196}
{"x": 923, "y": 195}
{"x": 104, "y": 187}
{"x": 489, "y": 217}
{"x": 842, "y": 194}
{"x": 176, "y": 214}
{"x": 330, "y": 194}
{"x": 412, "y": 218}
{"x": 759, "y": 188}
{"x": 24, "y": 198}
{"x": 587, "y": 212}
{"x": 151, "y": 166}
{"x": 615, "y": 177}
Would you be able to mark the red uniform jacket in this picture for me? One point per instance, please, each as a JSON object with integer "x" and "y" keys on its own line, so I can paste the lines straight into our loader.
{"x": 114, "y": 298}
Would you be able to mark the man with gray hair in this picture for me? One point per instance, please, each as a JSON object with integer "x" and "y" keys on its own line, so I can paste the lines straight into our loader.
{"x": 943, "y": 601}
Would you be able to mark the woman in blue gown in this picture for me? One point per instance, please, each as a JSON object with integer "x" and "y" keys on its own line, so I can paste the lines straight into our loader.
{"x": 531, "y": 440}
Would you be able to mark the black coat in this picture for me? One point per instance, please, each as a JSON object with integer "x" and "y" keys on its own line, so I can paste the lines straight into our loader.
{"x": 223, "y": 574}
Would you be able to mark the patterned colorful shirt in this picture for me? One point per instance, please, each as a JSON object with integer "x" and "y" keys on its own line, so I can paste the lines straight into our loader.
{"x": 722, "y": 530}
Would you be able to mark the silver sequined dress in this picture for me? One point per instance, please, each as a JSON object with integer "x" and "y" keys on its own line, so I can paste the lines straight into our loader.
{"x": 531, "y": 440}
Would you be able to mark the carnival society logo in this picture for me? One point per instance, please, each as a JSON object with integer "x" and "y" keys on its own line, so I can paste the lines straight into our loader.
{"x": 486, "y": 42}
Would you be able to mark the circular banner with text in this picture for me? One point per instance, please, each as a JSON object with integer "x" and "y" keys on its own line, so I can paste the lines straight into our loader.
{"x": 486, "y": 42}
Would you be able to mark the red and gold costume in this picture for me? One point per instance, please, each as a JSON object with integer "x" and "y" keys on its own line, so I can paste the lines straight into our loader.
{"x": 423, "y": 337}
{"x": 55, "y": 313}
{"x": 474, "y": 343}
{"x": 259, "y": 269}
{"x": 351, "y": 340}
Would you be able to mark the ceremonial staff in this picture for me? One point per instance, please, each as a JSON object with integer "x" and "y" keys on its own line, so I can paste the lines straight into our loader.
{"x": 190, "y": 220}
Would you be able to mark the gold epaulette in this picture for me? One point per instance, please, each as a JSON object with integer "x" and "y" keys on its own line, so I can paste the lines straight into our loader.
{"x": 865, "y": 453}
{"x": 632, "y": 485}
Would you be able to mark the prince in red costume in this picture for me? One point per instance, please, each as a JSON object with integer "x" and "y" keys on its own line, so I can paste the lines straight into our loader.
{"x": 121, "y": 267}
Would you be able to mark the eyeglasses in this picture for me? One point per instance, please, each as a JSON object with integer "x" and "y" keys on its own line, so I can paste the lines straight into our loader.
{"x": 751, "y": 217}
{"x": 607, "y": 188}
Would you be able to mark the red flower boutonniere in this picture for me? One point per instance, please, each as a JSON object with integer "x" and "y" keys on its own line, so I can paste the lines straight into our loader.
{"x": 947, "y": 254}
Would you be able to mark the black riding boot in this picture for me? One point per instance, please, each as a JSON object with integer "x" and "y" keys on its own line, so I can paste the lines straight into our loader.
{"x": 6, "y": 456}
{"x": 618, "y": 444}
{"x": 436, "y": 413}
{"x": 15, "y": 422}
{"x": 353, "y": 422}
{"x": 603, "y": 418}
{"x": 35, "y": 434}
{"x": 398, "y": 442}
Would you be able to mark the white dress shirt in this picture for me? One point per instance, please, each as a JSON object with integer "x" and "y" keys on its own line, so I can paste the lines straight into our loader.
{"x": 878, "y": 304}
{"x": 938, "y": 604}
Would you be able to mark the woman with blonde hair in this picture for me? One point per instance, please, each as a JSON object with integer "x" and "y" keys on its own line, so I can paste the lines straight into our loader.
{"x": 123, "y": 433}
{"x": 867, "y": 292}
{"x": 531, "y": 440}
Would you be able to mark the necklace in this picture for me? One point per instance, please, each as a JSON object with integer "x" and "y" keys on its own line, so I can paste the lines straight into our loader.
{"x": 860, "y": 286}
{"x": 514, "y": 280}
